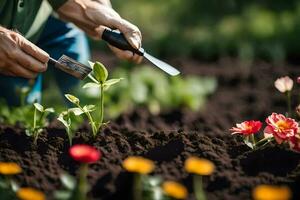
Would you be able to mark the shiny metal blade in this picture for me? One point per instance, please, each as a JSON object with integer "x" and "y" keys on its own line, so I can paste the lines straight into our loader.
{"x": 162, "y": 65}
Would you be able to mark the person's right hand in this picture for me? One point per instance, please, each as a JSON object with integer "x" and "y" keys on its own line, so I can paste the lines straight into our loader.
{"x": 19, "y": 57}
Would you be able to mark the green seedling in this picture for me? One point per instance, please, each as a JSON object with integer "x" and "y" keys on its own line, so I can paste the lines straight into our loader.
{"x": 69, "y": 185}
{"x": 68, "y": 120}
{"x": 99, "y": 81}
{"x": 39, "y": 121}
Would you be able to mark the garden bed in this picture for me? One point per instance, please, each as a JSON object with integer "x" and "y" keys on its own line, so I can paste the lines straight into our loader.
{"x": 243, "y": 93}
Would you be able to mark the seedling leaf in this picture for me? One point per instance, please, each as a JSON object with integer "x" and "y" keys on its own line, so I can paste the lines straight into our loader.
{"x": 68, "y": 181}
{"x": 100, "y": 72}
{"x": 62, "y": 120}
{"x": 50, "y": 110}
{"x": 76, "y": 111}
{"x": 112, "y": 81}
{"x": 89, "y": 108}
{"x": 39, "y": 107}
{"x": 91, "y": 85}
{"x": 72, "y": 98}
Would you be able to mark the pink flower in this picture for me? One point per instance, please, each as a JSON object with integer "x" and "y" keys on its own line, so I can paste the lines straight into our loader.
{"x": 298, "y": 79}
{"x": 247, "y": 127}
{"x": 84, "y": 153}
{"x": 281, "y": 127}
{"x": 284, "y": 84}
{"x": 294, "y": 142}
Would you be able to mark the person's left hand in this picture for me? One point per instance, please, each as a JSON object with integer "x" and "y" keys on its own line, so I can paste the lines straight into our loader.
{"x": 93, "y": 17}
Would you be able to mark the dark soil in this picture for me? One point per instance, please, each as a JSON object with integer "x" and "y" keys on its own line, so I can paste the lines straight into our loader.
{"x": 170, "y": 138}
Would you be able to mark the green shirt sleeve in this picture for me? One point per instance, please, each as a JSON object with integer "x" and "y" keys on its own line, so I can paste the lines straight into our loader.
{"x": 57, "y": 3}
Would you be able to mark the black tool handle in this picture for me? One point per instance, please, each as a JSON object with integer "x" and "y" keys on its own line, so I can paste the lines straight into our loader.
{"x": 117, "y": 39}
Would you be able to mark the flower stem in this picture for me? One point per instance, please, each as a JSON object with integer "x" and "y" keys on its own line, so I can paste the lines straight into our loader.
{"x": 288, "y": 94}
{"x": 198, "y": 187}
{"x": 137, "y": 187}
{"x": 83, "y": 184}
{"x": 253, "y": 140}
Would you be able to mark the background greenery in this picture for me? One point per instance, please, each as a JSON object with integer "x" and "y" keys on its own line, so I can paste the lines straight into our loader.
{"x": 212, "y": 29}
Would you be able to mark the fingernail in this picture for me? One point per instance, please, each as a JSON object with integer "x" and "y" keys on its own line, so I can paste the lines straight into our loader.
{"x": 135, "y": 43}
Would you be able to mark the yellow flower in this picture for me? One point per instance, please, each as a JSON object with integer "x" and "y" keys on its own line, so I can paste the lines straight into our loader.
{"x": 9, "y": 168}
{"x": 271, "y": 192}
{"x": 199, "y": 166}
{"x": 174, "y": 189}
{"x": 30, "y": 194}
{"x": 138, "y": 164}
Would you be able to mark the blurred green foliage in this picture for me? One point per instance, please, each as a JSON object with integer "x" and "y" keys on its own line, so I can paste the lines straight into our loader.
{"x": 149, "y": 87}
{"x": 217, "y": 28}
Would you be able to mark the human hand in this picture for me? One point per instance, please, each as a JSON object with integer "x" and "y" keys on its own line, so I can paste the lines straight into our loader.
{"x": 19, "y": 57}
{"x": 93, "y": 17}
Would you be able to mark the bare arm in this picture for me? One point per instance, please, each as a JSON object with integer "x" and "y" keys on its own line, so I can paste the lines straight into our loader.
{"x": 94, "y": 16}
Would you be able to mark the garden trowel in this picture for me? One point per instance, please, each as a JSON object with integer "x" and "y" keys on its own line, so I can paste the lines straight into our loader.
{"x": 117, "y": 39}
{"x": 71, "y": 66}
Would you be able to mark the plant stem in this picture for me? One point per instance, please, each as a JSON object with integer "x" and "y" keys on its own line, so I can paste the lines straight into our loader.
{"x": 198, "y": 187}
{"x": 34, "y": 126}
{"x": 90, "y": 118}
{"x": 253, "y": 140}
{"x": 288, "y": 94}
{"x": 137, "y": 187}
{"x": 101, "y": 107}
{"x": 83, "y": 184}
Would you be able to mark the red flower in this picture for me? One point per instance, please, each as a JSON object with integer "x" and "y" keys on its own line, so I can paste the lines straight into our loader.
{"x": 84, "y": 153}
{"x": 294, "y": 142}
{"x": 247, "y": 127}
{"x": 281, "y": 127}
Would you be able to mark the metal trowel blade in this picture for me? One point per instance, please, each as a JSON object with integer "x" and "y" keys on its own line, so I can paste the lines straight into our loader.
{"x": 162, "y": 65}
{"x": 72, "y": 67}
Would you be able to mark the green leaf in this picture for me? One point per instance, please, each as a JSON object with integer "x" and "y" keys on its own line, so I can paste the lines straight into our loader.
{"x": 68, "y": 181}
{"x": 50, "y": 110}
{"x": 76, "y": 111}
{"x": 89, "y": 108}
{"x": 62, "y": 120}
{"x": 62, "y": 195}
{"x": 72, "y": 98}
{"x": 91, "y": 85}
{"x": 39, "y": 107}
{"x": 100, "y": 72}
{"x": 248, "y": 143}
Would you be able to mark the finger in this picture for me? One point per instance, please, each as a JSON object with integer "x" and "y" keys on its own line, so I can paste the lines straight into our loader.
{"x": 18, "y": 70}
{"x": 33, "y": 50}
{"x": 126, "y": 55}
{"x": 30, "y": 63}
{"x": 131, "y": 32}
{"x": 137, "y": 59}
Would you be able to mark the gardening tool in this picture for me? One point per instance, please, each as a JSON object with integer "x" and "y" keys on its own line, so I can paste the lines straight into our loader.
{"x": 71, "y": 66}
{"x": 117, "y": 39}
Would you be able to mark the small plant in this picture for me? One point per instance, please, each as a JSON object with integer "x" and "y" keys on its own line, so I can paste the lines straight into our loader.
{"x": 248, "y": 130}
{"x": 39, "y": 121}
{"x": 285, "y": 85}
{"x": 141, "y": 167}
{"x": 28, "y": 193}
{"x": 199, "y": 167}
{"x": 8, "y": 186}
{"x": 99, "y": 81}
{"x": 283, "y": 129}
{"x": 67, "y": 119}
{"x": 271, "y": 192}
{"x": 86, "y": 155}
{"x": 174, "y": 190}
